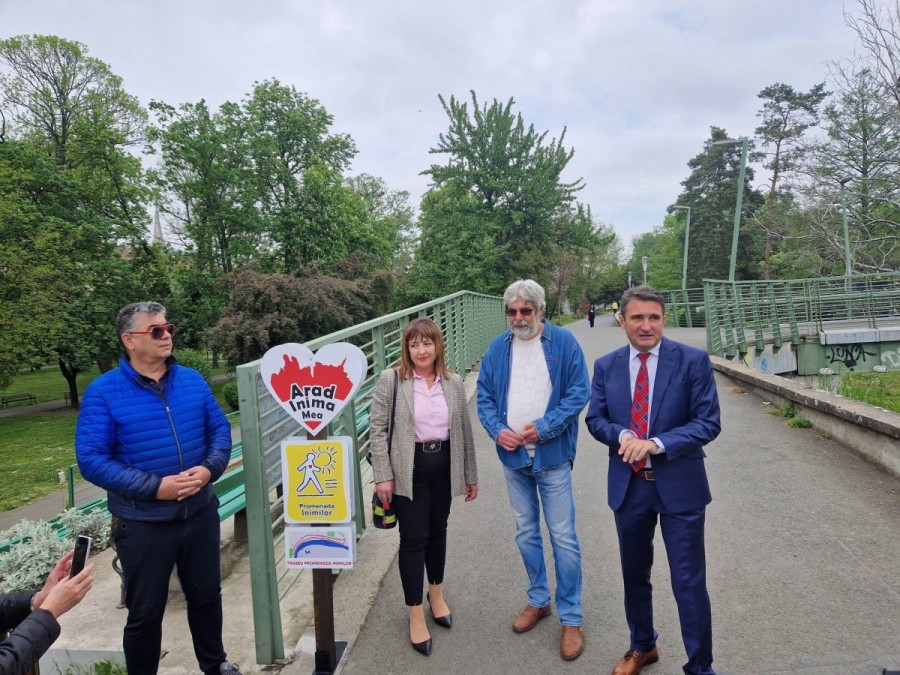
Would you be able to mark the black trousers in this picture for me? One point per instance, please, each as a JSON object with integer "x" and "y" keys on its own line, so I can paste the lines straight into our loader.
{"x": 423, "y": 523}
{"x": 148, "y": 552}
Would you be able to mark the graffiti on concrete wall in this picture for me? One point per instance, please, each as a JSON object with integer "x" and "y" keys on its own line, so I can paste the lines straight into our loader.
{"x": 891, "y": 359}
{"x": 850, "y": 356}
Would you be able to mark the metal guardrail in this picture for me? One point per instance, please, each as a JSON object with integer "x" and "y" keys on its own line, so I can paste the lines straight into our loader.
{"x": 685, "y": 308}
{"x": 468, "y": 321}
{"x": 744, "y": 315}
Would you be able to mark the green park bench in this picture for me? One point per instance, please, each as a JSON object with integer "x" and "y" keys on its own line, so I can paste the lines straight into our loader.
{"x": 28, "y": 399}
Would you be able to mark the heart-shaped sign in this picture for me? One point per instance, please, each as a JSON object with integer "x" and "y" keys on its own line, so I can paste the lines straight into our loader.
{"x": 313, "y": 389}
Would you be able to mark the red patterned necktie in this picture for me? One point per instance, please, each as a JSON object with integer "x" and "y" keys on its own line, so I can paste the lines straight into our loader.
{"x": 640, "y": 407}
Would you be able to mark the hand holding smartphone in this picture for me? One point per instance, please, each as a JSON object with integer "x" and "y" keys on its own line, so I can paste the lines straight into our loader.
{"x": 82, "y": 553}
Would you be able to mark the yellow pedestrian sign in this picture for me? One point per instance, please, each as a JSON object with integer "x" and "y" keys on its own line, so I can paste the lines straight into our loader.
{"x": 316, "y": 479}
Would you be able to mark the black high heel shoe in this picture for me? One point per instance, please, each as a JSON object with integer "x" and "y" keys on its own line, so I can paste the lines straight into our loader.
{"x": 443, "y": 621}
{"x": 423, "y": 648}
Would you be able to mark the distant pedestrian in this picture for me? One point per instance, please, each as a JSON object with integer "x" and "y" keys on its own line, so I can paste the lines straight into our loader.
{"x": 532, "y": 387}
{"x": 654, "y": 404}
{"x": 591, "y": 314}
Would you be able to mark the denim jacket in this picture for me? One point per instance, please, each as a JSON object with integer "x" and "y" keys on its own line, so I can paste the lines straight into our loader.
{"x": 558, "y": 428}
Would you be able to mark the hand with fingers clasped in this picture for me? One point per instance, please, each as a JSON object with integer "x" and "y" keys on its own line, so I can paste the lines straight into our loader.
{"x": 633, "y": 449}
{"x": 509, "y": 440}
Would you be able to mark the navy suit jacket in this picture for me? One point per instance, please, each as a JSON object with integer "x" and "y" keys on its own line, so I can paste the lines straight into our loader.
{"x": 684, "y": 415}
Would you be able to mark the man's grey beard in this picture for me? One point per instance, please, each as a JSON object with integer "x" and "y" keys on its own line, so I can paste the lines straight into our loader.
{"x": 524, "y": 330}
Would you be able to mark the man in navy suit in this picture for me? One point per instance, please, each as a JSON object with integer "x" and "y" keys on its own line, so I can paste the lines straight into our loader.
{"x": 656, "y": 471}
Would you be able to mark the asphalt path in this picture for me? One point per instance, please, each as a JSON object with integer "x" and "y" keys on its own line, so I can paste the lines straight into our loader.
{"x": 803, "y": 544}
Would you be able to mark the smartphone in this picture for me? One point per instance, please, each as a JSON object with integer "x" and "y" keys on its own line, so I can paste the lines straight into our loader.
{"x": 82, "y": 553}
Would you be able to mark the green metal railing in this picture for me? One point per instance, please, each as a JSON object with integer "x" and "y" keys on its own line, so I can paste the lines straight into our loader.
{"x": 685, "y": 308}
{"x": 744, "y": 315}
{"x": 468, "y": 321}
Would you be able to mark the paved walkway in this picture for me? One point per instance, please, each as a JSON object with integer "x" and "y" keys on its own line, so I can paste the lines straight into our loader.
{"x": 803, "y": 549}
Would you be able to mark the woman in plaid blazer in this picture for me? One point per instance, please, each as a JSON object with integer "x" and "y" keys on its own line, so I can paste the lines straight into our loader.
{"x": 431, "y": 460}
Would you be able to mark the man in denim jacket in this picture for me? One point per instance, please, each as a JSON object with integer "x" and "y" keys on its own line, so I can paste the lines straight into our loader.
{"x": 532, "y": 386}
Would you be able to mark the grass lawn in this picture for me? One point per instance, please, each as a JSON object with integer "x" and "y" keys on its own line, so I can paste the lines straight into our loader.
{"x": 881, "y": 389}
{"x": 32, "y": 452}
{"x": 47, "y": 384}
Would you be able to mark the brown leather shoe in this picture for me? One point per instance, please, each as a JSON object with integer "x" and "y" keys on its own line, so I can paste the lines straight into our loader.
{"x": 633, "y": 661}
{"x": 571, "y": 644}
{"x": 529, "y": 617}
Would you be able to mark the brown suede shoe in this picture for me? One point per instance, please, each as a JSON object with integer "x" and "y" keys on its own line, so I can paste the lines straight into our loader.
{"x": 529, "y": 617}
{"x": 633, "y": 661}
{"x": 571, "y": 644}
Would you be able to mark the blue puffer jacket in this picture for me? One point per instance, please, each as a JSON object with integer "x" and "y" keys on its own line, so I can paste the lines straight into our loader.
{"x": 128, "y": 438}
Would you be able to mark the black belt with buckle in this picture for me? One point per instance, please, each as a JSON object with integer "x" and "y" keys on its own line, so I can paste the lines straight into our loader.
{"x": 646, "y": 474}
{"x": 433, "y": 446}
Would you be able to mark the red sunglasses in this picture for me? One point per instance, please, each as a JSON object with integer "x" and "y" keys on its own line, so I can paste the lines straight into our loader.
{"x": 157, "y": 332}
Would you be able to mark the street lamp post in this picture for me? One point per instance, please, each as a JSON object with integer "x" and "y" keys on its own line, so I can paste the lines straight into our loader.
{"x": 745, "y": 142}
{"x": 848, "y": 263}
{"x": 687, "y": 237}
{"x": 629, "y": 279}
{"x": 644, "y": 260}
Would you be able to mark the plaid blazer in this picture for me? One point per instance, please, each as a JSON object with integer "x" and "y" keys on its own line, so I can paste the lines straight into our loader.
{"x": 399, "y": 465}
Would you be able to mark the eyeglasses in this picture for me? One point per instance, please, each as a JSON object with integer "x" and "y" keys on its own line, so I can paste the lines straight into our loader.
{"x": 157, "y": 332}
{"x": 525, "y": 311}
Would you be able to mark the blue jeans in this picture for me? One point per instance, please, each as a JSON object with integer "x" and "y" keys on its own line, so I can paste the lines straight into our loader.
{"x": 555, "y": 489}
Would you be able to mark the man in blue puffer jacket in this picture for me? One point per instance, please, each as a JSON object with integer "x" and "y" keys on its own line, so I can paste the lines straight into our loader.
{"x": 153, "y": 436}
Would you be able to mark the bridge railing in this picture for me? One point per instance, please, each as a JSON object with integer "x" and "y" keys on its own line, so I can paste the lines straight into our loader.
{"x": 685, "y": 308}
{"x": 743, "y": 315}
{"x": 468, "y": 321}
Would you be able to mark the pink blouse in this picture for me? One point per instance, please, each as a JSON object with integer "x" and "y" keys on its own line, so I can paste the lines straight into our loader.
{"x": 430, "y": 412}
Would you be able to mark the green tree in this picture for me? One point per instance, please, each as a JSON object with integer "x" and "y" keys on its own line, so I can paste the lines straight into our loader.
{"x": 710, "y": 190}
{"x": 663, "y": 247}
{"x": 206, "y": 180}
{"x": 271, "y": 309}
{"x": 786, "y": 115}
{"x": 79, "y": 110}
{"x": 310, "y": 214}
{"x": 392, "y": 218}
{"x": 458, "y": 248}
{"x": 75, "y": 196}
{"x": 860, "y": 147}
{"x": 505, "y": 179}
{"x": 60, "y": 276}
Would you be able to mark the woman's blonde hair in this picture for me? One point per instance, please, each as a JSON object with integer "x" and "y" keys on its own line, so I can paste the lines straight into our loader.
{"x": 423, "y": 327}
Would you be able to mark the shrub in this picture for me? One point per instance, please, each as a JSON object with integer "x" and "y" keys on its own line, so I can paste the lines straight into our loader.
{"x": 105, "y": 667}
{"x": 230, "y": 394}
{"x": 94, "y": 524}
{"x": 196, "y": 360}
{"x": 27, "y": 563}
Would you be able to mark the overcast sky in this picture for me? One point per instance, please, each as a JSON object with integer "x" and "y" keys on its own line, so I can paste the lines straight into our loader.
{"x": 637, "y": 83}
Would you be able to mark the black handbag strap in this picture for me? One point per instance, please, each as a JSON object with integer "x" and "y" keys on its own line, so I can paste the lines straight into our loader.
{"x": 393, "y": 408}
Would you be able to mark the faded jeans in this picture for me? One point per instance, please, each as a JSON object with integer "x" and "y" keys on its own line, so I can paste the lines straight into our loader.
{"x": 552, "y": 489}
